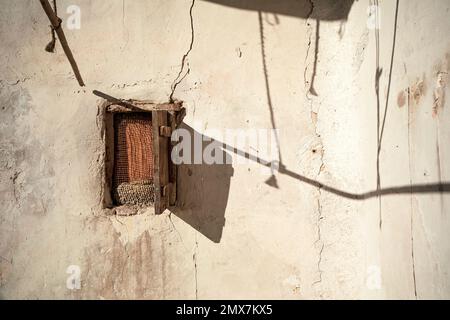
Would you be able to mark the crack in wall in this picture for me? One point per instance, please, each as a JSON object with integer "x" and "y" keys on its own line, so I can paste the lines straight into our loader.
{"x": 411, "y": 197}
{"x": 123, "y": 13}
{"x": 15, "y": 83}
{"x": 319, "y": 240}
{"x": 176, "y": 230}
{"x": 308, "y": 23}
{"x": 314, "y": 120}
{"x": 311, "y": 9}
{"x": 378, "y": 73}
{"x": 320, "y": 216}
{"x": 194, "y": 256}
{"x": 194, "y": 259}
{"x": 133, "y": 84}
{"x": 14, "y": 182}
{"x": 439, "y": 164}
{"x": 180, "y": 78}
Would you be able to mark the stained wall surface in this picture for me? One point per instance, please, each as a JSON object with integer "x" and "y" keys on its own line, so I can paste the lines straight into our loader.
{"x": 360, "y": 205}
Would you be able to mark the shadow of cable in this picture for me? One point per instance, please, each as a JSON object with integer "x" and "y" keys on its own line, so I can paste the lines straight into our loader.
{"x": 406, "y": 189}
{"x": 203, "y": 189}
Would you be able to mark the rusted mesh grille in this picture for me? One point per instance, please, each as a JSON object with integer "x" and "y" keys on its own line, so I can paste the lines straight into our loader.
{"x": 133, "y": 159}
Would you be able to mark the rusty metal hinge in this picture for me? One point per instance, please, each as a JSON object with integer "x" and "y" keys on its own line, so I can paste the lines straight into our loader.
{"x": 165, "y": 131}
{"x": 165, "y": 190}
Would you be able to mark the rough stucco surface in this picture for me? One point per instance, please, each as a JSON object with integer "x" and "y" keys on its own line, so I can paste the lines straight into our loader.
{"x": 238, "y": 237}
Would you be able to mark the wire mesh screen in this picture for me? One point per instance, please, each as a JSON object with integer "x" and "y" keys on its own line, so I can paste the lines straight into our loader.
{"x": 133, "y": 159}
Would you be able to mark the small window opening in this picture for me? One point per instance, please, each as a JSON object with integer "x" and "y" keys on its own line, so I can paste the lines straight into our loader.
{"x": 133, "y": 159}
{"x": 138, "y": 168}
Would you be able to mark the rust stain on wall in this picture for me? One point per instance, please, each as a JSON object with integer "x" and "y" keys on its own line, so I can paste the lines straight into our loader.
{"x": 441, "y": 71}
{"x": 401, "y": 98}
{"x": 418, "y": 91}
{"x": 121, "y": 271}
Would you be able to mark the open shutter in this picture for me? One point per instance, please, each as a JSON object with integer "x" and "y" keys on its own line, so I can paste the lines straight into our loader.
{"x": 172, "y": 168}
{"x": 161, "y": 136}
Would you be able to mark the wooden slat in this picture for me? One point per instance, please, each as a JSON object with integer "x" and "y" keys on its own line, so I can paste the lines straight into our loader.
{"x": 165, "y": 131}
{"x": 122, "y": 105}
{"x": 139, "y": 107}
{"x": 160, "y": 161}
{"x": 172, "y": 167}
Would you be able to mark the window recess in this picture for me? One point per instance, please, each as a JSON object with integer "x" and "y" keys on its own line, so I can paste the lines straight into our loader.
{"x": 138, "y": 168}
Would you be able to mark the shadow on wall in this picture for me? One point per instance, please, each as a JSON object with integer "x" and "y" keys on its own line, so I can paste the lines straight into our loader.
{"x": 318, "y": 9}
{"x": 202, "y": 190}
{"x": 327, "y": 10}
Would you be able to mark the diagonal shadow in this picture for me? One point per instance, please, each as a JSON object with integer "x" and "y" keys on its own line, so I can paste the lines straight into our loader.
{"x": 203, "y": 189}
{"x": 406, "y": 189}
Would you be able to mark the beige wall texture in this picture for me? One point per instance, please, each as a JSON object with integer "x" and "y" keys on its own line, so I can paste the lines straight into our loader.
{"x": 360, "y": 205}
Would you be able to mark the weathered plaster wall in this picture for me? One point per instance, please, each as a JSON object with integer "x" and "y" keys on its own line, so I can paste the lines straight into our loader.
{"x": 235, "y": 236}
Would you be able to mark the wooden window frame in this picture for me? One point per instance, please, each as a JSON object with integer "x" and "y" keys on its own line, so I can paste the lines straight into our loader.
{"x": 166, "y": 117}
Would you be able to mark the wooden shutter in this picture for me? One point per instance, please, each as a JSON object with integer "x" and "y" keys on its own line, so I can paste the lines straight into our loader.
{"x": 161, "y": 136}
